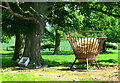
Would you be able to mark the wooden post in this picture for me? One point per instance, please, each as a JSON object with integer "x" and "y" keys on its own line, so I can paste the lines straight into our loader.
{"x": 73, "y": 63}
{"x": 97, "y": 64}
{"x": 87, "y": 63}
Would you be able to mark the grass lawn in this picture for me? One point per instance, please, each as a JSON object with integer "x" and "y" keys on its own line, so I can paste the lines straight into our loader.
{"x": 63, "y": 60}
{"x": 66, "y": 57}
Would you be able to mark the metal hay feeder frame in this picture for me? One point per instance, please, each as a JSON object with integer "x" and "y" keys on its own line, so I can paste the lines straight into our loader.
{"x": 86, "y": 45}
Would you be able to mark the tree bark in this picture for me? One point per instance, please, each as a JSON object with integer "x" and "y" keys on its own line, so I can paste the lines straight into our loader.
{"x": 57, "y": 44}
{"x": 19, "y": 46}
{"x": 35, "y": 39}
{"x": 26, "y": 52}
{"x": 104, "y": 47}
{"x": 32, "y": 45}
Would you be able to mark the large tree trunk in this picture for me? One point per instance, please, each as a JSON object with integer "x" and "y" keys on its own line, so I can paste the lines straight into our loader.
{"x": 32, "y": 45}
{"x": 33, "y": 40}
{"x": 57, "y": 43}
{"x": 35, "y": 46}
{"x": 19, "y": 46}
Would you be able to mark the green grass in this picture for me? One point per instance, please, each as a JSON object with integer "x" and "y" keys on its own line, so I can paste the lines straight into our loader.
{"x": 65, "y": 59}
{"x": 111, "y": 57}
{"x": 22, "y": 77}
{"x": 6, "y": 58}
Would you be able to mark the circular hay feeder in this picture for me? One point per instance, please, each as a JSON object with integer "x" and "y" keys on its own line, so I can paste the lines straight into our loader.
{"x": 86, "y": 44}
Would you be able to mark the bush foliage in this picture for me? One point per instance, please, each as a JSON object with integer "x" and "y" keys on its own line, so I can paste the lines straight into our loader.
{"x": 111, "y": 45}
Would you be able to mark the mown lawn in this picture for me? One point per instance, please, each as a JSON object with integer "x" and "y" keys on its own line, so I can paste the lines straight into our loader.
{"x": 63, "y": 60}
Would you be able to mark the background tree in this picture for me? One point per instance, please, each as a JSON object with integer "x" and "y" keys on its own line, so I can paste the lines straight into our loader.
{"x": 63, "y": 20}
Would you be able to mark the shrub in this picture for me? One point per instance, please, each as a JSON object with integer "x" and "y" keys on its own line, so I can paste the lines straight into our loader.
{"x": 47, "y": 45}
{"x": 111, "y": 45}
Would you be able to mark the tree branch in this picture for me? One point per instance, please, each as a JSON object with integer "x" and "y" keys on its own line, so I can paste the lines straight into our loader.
{"x": 19, "y": 15}
{"x": 58, "y": 6}
{"x": 104, "y": 12}
{"x": 51, "y": 4}
{"x": 21, "y": 10}
{"x": 17, "y": 2}
{"x": 36, "y": 12}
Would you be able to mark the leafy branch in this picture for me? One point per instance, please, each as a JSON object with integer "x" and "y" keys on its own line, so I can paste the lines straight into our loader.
{"x": 18, "y": 15}
{"x": 100, "y": 10}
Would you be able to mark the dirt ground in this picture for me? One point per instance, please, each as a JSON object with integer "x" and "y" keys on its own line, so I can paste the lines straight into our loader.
{"x": 106, "y": 73}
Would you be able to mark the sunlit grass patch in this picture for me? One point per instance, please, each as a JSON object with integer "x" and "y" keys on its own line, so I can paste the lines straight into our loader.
{"x": 110, "y": 58}
{"x": 22, "y": 77}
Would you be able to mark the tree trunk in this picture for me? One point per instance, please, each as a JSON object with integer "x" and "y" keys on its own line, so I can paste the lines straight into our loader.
{"x": 104, "y": 47}
{"x": 32, "y": 46}
{"x": 33, "y": 40}
{"x": 26, "y": 52}
{"x": 57, "y": 44}
{"x": 19, "y": 46}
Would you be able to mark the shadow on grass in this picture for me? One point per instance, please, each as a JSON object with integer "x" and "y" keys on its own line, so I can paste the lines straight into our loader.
{"x": 52, "y": 63}
{"x": 7, "y": 54}
{"x": 46, "y": 52}
{"x": 61, "y": 53}
{"x": 57, "y": 64}
{"x": 7, "y": 60}
{"x": 79, "y": 66}
{"x": 71, "y": 52}
{"x": 107, "y": 52}
{"x": 108, "y": 61}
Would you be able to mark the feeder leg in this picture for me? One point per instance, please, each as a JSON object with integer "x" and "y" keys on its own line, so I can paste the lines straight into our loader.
{"x": 97, "y": 64}
{"x": 73, "y": 63}
{"x": 87, "y": 63}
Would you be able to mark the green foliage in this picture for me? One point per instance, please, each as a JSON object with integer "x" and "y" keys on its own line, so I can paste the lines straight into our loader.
{"x": 99, "y": 22}
{"x": 12, "y": 25}
{"x": 5, "y": 38}
{"x": 72, "y": 16}
{"x": 48, "y": 36}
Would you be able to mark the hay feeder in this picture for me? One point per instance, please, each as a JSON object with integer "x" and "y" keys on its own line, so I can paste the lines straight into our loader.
{"x": 86, "y": 45}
